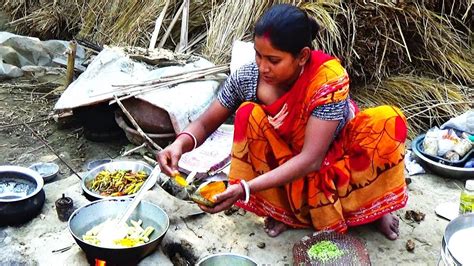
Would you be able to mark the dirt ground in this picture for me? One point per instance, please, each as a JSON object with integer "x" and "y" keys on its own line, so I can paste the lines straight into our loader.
{"x": 189, "y": 238}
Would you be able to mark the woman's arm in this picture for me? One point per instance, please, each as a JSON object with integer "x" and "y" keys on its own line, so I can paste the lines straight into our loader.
{"x": 201, "y": 128}
{"x": 318, "y": 137}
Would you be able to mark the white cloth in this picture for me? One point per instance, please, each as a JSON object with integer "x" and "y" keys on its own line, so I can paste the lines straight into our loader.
{"x": 242, "y": 53}
{"x": 411, "y": 165}
{"x": 464, "y": 122}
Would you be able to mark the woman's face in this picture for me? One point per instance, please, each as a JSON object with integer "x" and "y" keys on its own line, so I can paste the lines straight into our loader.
{"x": 276, "y": 67}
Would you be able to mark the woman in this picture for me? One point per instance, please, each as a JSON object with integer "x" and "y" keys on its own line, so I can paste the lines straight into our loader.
{"x": 303, "y": 156}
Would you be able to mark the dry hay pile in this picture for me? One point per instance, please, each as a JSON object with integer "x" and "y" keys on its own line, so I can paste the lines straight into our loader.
{"x": 112, "y": 22}
{"x": 417, "y": 55}
{"x": 42, "y": 18}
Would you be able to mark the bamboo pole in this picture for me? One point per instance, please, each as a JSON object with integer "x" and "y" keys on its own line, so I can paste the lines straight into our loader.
{"x": 158, "y": 23}
{"x": 170, "y": 27}
{"x": 183, "y": 40}
{"x": 70, "y": 62}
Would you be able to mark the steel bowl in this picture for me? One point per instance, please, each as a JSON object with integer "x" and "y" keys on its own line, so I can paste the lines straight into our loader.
{"x": 21, "y": 194}
{"x": 439, "y": 168}
{"x": 93, "y": 164}
{"x": 448, "y": 255}
{"x": 46, "y": 170}
{"x": 95, "y": 213}
{"x": 224, "y": 259}
{"x": 114, "y": 166}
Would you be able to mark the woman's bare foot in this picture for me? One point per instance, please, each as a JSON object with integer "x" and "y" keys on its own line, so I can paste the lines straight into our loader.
{"x": 273, "y": 227}
{"x": 388, "y": 225}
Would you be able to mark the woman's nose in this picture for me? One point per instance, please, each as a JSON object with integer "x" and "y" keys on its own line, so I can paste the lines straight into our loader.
{"x": 263, "y": 67}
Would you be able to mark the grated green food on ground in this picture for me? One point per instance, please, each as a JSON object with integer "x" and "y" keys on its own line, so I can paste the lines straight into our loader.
{"x": 325, "y": 251}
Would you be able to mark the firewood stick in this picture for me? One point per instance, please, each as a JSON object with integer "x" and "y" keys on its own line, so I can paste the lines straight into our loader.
{"x": 22, "y": 123}
{"x": 70, "y": 63}
{"x": 201, "y": 71}
{"x": 150, "y": 160}
{"x": 135, "y": 124}
{"x": 45, "y": 142}
{"x": 134, "y": 149}
{"x": 137, "y": 91}
{"x": 163, "y": 81}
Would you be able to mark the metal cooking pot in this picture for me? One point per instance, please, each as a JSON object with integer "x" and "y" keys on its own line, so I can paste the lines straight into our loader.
{"x": 461, "y": 222}
{"x": 224, "y": 259}
{"x": 135, "y": 166}
{"x": 21, "y": 194}
{"x": 90, "y": 215}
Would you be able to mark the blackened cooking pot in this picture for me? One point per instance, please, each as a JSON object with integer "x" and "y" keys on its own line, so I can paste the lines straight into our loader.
{"x": 21, "y": 194}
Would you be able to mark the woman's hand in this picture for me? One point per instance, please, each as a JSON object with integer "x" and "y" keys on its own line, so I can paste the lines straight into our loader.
{"x": 225, "y": 199}
{"x": 169, "y": 157}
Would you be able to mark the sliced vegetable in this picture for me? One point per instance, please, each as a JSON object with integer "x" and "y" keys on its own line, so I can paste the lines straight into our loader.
{"x": 325, "y": 251}
{"x": 117, "y": 183}
{"x": 210, "y": 190}
{"x": 180, "y": 180}
{"x": 136, "y": 235}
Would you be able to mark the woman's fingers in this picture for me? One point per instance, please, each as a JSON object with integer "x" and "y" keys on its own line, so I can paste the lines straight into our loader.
{"x": 168, "y": 159}
{"x": 174, "y": 162}
{"x": 222, "y": 196}
{"x": 165, "y": 162}
{"x": 224, "y": 205}
{"x": 224, "y": 200}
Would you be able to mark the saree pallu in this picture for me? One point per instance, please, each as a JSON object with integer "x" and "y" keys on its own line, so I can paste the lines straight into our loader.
{"x": 362, "y": 176}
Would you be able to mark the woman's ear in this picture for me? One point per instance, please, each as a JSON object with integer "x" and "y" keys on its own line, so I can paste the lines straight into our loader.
{"x": 304, "y": 55}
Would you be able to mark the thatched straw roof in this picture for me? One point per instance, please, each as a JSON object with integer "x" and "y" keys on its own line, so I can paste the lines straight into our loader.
{"x": 423, "y": 49}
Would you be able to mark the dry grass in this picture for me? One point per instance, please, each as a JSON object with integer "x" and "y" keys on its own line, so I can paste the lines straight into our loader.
{"x": 425, "y": 101}
{"x": 230, "y": 21}
{"x": 382, "y": 39}
{"x": 43, "y": 19}
{"x": 113, "y": 22}
{"x": 119, "y": 22}
{"x": 390, "y": 48}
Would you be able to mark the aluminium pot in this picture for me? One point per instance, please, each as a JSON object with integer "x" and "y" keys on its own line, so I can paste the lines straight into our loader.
{"x": 21, "y": 195}
{"x": 448, "y": 252}
{"x": 97, "y": 212}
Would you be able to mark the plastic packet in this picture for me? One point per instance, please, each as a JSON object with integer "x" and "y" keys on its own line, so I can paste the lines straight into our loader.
{"x": 430, "y": 142}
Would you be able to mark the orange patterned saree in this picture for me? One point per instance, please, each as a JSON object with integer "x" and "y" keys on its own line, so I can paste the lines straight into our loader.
{"x": 362, "y": 175}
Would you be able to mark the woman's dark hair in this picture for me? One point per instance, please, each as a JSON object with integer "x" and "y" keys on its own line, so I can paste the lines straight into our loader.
{"x": 289, "y": 28}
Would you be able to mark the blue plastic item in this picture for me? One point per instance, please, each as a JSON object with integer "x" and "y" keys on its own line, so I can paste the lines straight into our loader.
{"x": 469, "y": 164}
